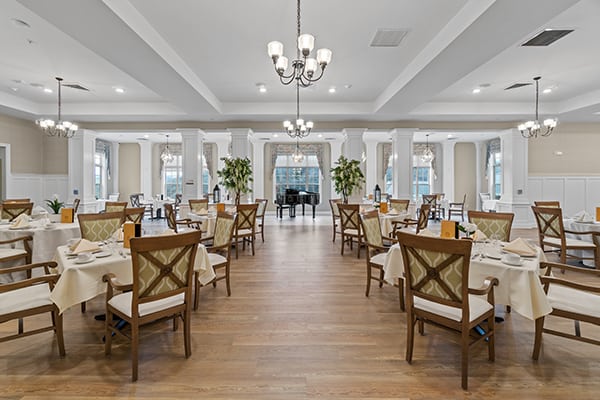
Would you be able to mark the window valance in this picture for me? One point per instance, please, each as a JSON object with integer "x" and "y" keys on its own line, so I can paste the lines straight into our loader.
{"x": 308, "y": 149}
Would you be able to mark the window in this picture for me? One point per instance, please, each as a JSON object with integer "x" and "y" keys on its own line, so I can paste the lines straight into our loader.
{"x": 388, "y": 177}
{"x": 303, "y": 176}
{"x": 173, "y": 177}
{"x": 205, "y": 179}
{"x": 497, "y": 174}
{"x": 100, "y": 175}
{"x": 421, "y": 182}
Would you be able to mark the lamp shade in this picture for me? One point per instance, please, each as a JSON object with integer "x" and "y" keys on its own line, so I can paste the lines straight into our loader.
{"x": 306, "y": 43}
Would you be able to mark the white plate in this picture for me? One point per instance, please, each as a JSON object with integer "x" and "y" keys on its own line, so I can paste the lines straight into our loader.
{"x": 89, "y": 260}
{"x": 102, "y": 254}
{"x": 20, "y": 227}
{"x": 515, "y": 264}
{"x": 494, "y": 255}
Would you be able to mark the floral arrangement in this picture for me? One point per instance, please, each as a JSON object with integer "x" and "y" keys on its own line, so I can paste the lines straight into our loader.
{"x": 55, "y": 204}
{"x": 467, "y": 228}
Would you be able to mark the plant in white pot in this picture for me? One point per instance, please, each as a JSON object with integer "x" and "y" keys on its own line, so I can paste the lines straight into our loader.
{"x": 236, "y": 176}
{"x": 347, "y": 177}
{"x": 55, "y": 205}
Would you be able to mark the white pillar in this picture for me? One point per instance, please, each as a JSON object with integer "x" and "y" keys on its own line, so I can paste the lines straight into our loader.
{"x": 336, "y": 151}
{"x": 354, "y": 150}
{"x": 479, "y": 168}
{"x": 402, "y": 156}
{"x": 146, "y": 168}
{"x": 81, "y": 148}
{"x": 192, "y": 141}
{"x": 114, "y": 167}
{"x": 240, "y": 145}
{"x": 447, "y": 166}
{"x": 515, "y": 171}
{"x": 222, "y": 140}
{"x": 371, "y": 180}
{"x": 258, "y": 168}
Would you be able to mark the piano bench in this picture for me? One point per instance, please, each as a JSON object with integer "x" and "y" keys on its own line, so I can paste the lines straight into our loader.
{"x": 291, "y": 207}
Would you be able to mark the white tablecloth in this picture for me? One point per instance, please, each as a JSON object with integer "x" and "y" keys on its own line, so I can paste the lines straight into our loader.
{"x": 572, "y": 225}
{"x": 207, "y": 222}
{"x": 82, "y": 282}
{"x": 45, "y": 241}
{"x": 387, "y": 219}
{"x": 518, "y": 287}
{"x": 489, "y": 205}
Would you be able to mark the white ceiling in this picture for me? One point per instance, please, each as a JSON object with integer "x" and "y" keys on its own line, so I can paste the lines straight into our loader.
{"x": 200, "y": 60}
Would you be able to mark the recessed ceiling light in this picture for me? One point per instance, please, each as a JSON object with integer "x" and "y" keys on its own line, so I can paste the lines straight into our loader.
{"x": 331, "y": 90}
{"x": 275, "y": 135}
{"x": 261, "y": 87}
{"x": 14, "y": 89}
{"x": 146, "y": 136}
{"x": 348, "y": 86}
{"x": 119, "y": 90}
{"x": 320, "y": 135}
{"x": 558, "y": 153}
{"x": 476, "y": 90}
{"x": 47, "y": 90}
{"x": 547, "y": 90}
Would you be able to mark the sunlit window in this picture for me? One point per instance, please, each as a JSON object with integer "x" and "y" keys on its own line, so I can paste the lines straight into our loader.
{"x": 304, "y": 176}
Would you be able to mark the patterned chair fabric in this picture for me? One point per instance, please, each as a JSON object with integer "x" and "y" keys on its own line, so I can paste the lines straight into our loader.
{"x": 101, "y": 226}
{"x": 400, "y": 205}
{"x": 115, "y": 206}
{"x": 493, "y": 225}
{"x": 372, "y": 228}
{"x": 245, "y": 230}
{"x": 335, "y": 216}
{"x": 198, "y": 204}
{"x": 260, "y": 217}
{"x": 12, "y": 210}
{"x": 547, "y": 203}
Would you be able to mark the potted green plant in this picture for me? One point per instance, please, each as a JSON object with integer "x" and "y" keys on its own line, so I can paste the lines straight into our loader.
{"x": 236, "y": 176}
{"x": 347, "y": 177}
{"x": 55, "y": 205}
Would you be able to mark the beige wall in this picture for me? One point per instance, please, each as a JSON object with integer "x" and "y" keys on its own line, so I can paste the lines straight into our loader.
{"x": 579, "y": 144}
{"x": 464, "y": 174}
{"x": 56, "y": 155}
{"x": 26, "y": 145}
{"x": 129, "y": 169}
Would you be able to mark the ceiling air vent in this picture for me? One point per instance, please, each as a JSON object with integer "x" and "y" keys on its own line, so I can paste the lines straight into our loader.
{"x": 547, "y": 37}
{"x": 75, "y": 86}
{"x": 388, "y": 37}
{"x": 517, "y": 85}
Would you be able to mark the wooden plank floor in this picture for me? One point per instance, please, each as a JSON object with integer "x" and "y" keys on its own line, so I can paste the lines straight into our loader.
{"x": 297, "y": 326}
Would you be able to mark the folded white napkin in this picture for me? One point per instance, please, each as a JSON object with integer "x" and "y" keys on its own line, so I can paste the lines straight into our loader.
{"x": 478, "y": 235}
{"x": 428, "y": 233}
{"x": 84, "y": 246}
{"x": 521, "y": 247}
{"x": 583, "y": 216}
{"x": 20, "y": 222}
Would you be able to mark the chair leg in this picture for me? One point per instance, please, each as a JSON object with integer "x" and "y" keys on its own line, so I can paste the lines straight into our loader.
{"x": 227, "y": 279}
{"x": 236, "y": 248}
{"x": 196, "y": 291}
{"x": 253, "y": 240}
{"x": 262, "y": 232}
{"x": 82, "y": 307}
{"x": 421, "y": 327}
{"x": 381, "y": 277}
{"x": 491, "y": 323}
{"x": 175, "y": 323}
{"x": 401, "y": 294}
{"x": 134, "y": 351}
{"x": 108, "y": 322}
{"x": 465, "y": 358}
{"x": 537, "y": 344}
{"x": 334, "y": 231}
{"x": 368, "y": 279}
{"x": 410, "y": 336}
{"x": 343, "y": 243}
{"x": 58, "y": 327}
{"x": 187, "y": 340}
{"x": 508, "y": 309}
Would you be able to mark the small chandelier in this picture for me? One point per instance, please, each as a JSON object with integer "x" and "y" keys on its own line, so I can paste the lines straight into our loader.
{"x": 301, "y": 129}
{"x": 427, "y": 155}
{"x": 166, "y": 155}
{"x": 531, "y": 129}
{"x": 59, "y": 128}
{"x": 304, "y": 68}
{"x": 297, "y": 156}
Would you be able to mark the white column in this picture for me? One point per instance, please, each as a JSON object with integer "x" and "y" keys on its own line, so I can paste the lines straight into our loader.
{"x": 258, "y": 168}
{"x": 447, "y": 166}
{"x": 354, "y": 150}
{"x": 479, "y": 169}
{"x": 81, "y": 149}
{"x": 402, "y": 156}
{"x": 240, "y": 144}
{"x": 192, "y": 141}
{"x": 114, "y": 167}
{"x": 146, "y": 168}
{"x": 222, "y": 140}
{"x": 336, "y": 151}
{"x": 371, "y": 180}
{"x": 515, "y": 170}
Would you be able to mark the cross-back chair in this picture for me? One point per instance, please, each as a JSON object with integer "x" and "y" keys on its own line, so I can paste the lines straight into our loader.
{"x": 163, "y": 268}
{"x": 431, "y": 200}
{"x": 115, "y": 206}
{"x": 553, "y": 234}
{"x": 400, "y": 205}
{"x": 16, "y": 201}
{"x": 99, "y": 227}
{"x": 219, "y": 251}
{"x": 173, "y": 223}
{"x": 134, "y": 214}
{"x": 350, "y": 224}
{"x": 136, "y": 200}
{"x": 437, "y": 291}
{"x": 196, "y": 205}
{"x": 547, "y": 203}
{"x": 493, "y": 225}
{"x": 457, "y": 208}
{"x": 260, "y": 217}
{"x": 413, "y": 225}
{"x": 16, "y": 250}
{"x": 377, "y": 249}
{"x": 12, "y": 210}
{"x": 245, "y": 229}
{"x": 335, "y": 216}
{"x": 30, "y": 297}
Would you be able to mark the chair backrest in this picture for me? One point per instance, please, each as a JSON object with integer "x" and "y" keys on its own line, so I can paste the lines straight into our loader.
{"x": 464, "y": 200}
{"x": 549, "y": 221}
{"x": 436, "y": 270}
{"x": 101, "y": 226}
{"x": 12, "y": 210}
{"x": 423, "y": 219}
{"x": 399, "y": 204}
{"x": 178, "y": 197}
{"x": 170, "y": 216}
{"x": 485, "y": 196}
{"x": 135, "y": 214}
{"x": 335, "y": 211}
{"x": 198, "y": 204}
{"x": 224, "y": 229}
{"x": 262, "y": 207}
{"x": 17, "y": 201}
{"x": 246, "y": 216}
{"x": 135, "y": 200}
{"x": 76, "y": 202}
{"x": 430, "y": 199}
{"x": 115, "y": 206}
{"x": 163, "y": 267}
{"x": 494, "y": 225}
{"x": 349, "y": 218}
{"x": 547, "y": 203}
{"x": 371, "y": 228}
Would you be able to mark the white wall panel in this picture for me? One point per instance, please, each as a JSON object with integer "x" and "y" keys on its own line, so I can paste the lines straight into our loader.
{"x": 553, "y": 189}
{"x": 574, "y": 198}
{"x": 37, "y": 187}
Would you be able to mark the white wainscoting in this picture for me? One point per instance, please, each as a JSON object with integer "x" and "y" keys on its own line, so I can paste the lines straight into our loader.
{"x": 37, "y": 187}
{"x": 575, "y": 193}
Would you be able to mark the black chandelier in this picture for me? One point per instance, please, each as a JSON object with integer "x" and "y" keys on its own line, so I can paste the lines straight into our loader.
{"x": 533, "y": 128}
{"x": 58, "y": 128}
{"x": 300, "y": 129}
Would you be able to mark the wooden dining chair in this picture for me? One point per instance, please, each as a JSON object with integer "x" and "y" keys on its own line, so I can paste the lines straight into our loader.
{"x": 76, "y": 202}
{"x": 174, "y": 223}
{"x": 457, "y": 208}
{"x": 335, "y": 216}
{"x": 437, "y": 291}
{"x": 198, "y": 204}
{"x": 163, "y": 268}
{"x": 218, "y": 247}
{"x": 115, "y": 206}
{"x": 377, "y": 247}
{"x": 101, "y": 226}
{"x": 576, "y": 301}
{"x": 12, "y": 210}
{"x": 16, "y": 201}
{"x": 245, "y": 228}
{"x": 400, "y": 205}
{"x": 550, "y": 203}
{"x": 31, "y": 297}
{"x": 136, "y": 201}
{"x": 493, "y": 225}
{"x": 260, "y": 217}
{"x": 350, "y": 224}
{"x": 135, "y": 214}
{"x": 552, "y": 234}
{"x": 413, "y": 225}
{"x": 431, "y": 200}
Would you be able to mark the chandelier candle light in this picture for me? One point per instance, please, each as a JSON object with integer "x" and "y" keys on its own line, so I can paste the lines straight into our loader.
{"x": 166, "y": 155}
{"x": 304, "y": 68}
{"x": 531, "y": 129}
{"x": 298, "y": 157}
{"x": 59, "y": 127}
{"x": 428, "y": 155}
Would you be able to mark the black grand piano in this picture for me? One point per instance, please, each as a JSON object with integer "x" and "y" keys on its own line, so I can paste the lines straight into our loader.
{"x": 292, "y": 197}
